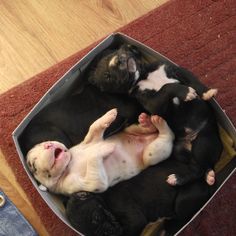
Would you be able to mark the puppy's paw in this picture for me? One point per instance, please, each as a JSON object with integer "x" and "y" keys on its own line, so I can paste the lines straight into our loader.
{"x": 192, "y": 94}
{"x": 160, "y": 124}
{"x": 172, "y": 180}
{"x": 158, "y": 121}
{"x": 209, "y": 94}
{"x": 144, "y": 120}
{"x": 210, "y": 177}
{"x": 108, "y": 118}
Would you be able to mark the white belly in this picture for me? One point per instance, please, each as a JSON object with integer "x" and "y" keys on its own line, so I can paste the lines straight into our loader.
{"x": 156, "y": 80}
{"x": 123, "y": 164}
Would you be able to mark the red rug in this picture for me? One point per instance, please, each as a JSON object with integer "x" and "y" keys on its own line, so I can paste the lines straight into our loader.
{"x": 199, "y": 35}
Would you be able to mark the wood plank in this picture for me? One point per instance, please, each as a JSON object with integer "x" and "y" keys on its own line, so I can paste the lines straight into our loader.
{"x": 37, "y": 34}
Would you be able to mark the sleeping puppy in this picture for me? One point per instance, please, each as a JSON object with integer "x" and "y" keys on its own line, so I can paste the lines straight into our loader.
{"x": 96, "y": 164}
{"x": 67, "y": 120}
{"x": 171, "y": 92}
{"x": 154, "y": 84}
{"x": 126, "y": 208}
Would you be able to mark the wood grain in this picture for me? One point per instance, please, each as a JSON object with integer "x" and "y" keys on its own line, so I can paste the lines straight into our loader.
{"x": 34, "y": 35}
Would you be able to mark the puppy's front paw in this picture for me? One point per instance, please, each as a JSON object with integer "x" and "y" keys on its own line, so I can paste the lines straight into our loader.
{"x": 172, "y": 180}
{"x": 209, "y": 94}
{"x": 192, "y": 94}
{"x": 108, "y": 118}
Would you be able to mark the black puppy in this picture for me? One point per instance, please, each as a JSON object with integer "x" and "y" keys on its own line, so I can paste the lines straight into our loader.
{"x": 156, "y": 86}
{"x": 67, "y": 120}
{"x": 129, "y": 206}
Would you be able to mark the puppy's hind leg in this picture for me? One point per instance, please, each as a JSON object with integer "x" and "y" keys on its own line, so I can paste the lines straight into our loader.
{"x": 209, "y": 94}
{"x": 97, "y": 128}
{"x": 188, "y": 78}
{"x": 145, "y": 126}
{"x": 192, "y": 172}
{"x": 210, "y": 177}
{"x": 161, "y": 148}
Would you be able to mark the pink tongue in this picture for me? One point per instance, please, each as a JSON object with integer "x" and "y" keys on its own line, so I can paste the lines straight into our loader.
{"x": 57, "y": 152}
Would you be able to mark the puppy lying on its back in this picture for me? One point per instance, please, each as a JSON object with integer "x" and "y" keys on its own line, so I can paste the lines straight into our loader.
{"x": 154, "y": 84}
{"x": 95, "y": 164}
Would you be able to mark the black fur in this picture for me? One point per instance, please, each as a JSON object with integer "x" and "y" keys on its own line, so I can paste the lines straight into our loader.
{"x": 206, "y": 148}
{"x": 118, "y": 79}
{"x": 68, "y": 119}
{"x": 134, "y": 203}
{"x": 88, "y": 213}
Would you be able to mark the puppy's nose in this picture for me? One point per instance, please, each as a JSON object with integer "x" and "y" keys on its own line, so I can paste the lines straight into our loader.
{"x": 48, "y": 145}
{"x": 123, "y": 58}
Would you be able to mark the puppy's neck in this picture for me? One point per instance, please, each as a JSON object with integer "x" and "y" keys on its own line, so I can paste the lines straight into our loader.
{"x": 68, "y": 176}
{"x": 59, "y": 185}
{"x": 142, "y": 75}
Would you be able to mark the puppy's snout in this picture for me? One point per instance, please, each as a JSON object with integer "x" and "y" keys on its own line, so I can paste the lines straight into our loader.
{"x": 48, "y": 145}
{"x": 123, "y": 58}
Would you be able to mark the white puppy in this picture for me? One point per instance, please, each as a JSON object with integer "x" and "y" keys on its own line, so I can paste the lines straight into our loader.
{"x": 95, "y": 164}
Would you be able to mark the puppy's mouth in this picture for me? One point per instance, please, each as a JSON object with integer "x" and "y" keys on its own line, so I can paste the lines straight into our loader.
{"x": 58, "y": 153}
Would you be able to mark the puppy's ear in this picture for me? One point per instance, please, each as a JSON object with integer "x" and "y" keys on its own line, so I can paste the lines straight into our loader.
{"x": 134, "y": 50}
{"x": 30, "y": 166}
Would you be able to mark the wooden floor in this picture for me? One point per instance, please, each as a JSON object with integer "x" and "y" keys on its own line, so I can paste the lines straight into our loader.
{"x": 34, "y": 35}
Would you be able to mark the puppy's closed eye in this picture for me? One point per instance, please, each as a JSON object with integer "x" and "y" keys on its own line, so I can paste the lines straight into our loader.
{"x": 32, "y": 166}
{"x": 29, "y": 164}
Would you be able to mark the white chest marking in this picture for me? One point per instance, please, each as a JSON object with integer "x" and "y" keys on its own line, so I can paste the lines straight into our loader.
{"x": 137, "y": 74}
{"x": 156, "y": 80}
